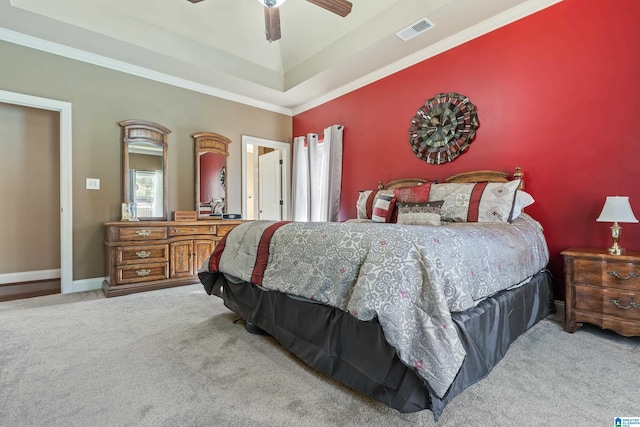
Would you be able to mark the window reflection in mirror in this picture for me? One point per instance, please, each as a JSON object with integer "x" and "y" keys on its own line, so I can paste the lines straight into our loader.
{"x": 145, "y": 168}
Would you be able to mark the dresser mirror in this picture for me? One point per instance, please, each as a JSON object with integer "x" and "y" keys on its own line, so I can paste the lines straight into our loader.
{"x": 211, "y": 154}
{"x": 144, "y": 169}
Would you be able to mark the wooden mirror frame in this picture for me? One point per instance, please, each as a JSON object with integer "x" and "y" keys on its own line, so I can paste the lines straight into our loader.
{"x": 210, "y": 142}
{"x": 134, "y": 131}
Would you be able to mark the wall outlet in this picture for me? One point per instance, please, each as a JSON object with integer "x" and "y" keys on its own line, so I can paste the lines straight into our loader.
{"x": 93, "y": 184}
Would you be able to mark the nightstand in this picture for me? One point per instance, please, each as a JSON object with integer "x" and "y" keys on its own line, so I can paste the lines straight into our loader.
{"x": 602, "y": 289}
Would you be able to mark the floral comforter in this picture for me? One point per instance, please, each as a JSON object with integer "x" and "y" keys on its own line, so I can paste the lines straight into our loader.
{"x": 408, "y": 277}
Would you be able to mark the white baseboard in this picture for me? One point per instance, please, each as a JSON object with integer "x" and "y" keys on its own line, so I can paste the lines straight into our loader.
{"x": 29, "y": 276}
{"x": 88, "y": 284}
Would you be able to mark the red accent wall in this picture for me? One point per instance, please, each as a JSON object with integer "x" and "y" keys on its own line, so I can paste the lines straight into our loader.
{"x": 558, "y": 93}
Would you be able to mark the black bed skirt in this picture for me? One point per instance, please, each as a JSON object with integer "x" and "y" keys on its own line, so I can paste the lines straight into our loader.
{"x": 356, "y": 352}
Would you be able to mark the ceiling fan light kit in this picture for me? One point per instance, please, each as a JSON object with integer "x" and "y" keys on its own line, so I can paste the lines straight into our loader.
{"x": 272, "y": 13}
{"x": 271, "y": 3}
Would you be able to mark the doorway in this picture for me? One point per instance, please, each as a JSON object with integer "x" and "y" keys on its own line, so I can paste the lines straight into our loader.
{"x": 65, "y": 272}
{"x": 266, "y": 183}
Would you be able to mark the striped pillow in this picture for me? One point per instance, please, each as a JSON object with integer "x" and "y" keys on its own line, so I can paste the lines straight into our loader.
{"x": 383, "y": 208}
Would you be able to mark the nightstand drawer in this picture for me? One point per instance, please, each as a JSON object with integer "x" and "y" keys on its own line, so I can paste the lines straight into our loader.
{"x": 588, "y": 299}
{"x": 621, "y": 275}
{"x": 621, "y": 304}
{"x": 587, "y": 271}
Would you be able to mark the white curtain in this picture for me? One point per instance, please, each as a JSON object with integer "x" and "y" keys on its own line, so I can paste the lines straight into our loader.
{"x": 301, "y": 196}
{"x": 317, "y": 176}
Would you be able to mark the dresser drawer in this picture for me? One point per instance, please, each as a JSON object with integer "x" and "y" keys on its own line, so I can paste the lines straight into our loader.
{"x": 623, "y": 305}
{"x": 224, "y": 229}
{"x": 142, "y": 273}
{"x": 142, "y": 254}
{"x": 142, "y": 233}
{"x": 193, "y": 229}
{"x": 621, "y": 275}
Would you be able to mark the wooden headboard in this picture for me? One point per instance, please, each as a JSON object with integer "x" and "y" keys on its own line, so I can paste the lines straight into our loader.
{"x": 473, "y": 176}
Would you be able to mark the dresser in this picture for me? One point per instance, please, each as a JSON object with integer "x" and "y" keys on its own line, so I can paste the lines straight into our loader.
{"x": 147, "y": 255}
{"x": 602, "y": 289}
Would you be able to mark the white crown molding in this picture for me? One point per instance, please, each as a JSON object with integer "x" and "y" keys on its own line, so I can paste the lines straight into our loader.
{"x": 505, "y": 18}
{"x": 113, "y": 64}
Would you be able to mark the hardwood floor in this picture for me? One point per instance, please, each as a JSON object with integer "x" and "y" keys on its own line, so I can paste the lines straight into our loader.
{"x": 13, "y": 291}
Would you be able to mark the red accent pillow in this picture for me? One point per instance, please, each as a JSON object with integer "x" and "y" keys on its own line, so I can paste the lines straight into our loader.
{"x": 415, "y": 194}
{"x": 384, "y": 208}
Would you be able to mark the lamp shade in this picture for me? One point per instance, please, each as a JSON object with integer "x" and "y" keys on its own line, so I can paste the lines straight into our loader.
{"x": 271, "y": 3}
{"x": 617, "y": 209}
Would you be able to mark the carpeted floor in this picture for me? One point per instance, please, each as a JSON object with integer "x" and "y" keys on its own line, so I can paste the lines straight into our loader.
{"x": 175, "y": 357}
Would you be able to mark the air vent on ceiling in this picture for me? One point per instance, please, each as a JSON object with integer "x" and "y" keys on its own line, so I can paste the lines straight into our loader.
{"x": 418, "y": 28}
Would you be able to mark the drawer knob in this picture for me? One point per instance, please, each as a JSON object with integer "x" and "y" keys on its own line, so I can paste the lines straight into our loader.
{"x": 143, "y": 254}
{"x": 624, "y": 307}
{"x": 143, "y": 272}
{"x": 143, "y": 233}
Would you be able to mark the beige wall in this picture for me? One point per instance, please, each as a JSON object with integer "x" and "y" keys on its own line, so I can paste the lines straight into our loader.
{"x": 101, "y": 98}
{"x": 29, "y": 189}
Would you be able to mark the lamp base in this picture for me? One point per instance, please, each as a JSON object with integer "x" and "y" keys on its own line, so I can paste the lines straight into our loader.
{"x": 616, "y": 251}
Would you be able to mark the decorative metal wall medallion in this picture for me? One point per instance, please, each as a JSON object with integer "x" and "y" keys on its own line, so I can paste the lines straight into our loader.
{"x": 443, "y": 128}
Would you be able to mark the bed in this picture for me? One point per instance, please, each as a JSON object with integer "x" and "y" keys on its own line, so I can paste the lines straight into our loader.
{"x": 406, "y": 312}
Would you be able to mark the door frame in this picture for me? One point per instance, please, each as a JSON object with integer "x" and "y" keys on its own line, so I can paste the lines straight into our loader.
{"x": 286, "y": 171}
{"x": 66, "y": 188}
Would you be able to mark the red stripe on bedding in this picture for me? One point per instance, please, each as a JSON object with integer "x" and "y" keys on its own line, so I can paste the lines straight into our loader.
{"x": 474, "y": 202}
{"x": 262, "y": 257}
{"x": 214, "y": 261}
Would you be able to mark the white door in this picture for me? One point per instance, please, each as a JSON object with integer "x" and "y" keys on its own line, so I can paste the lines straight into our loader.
{"x": 270, "y": 183}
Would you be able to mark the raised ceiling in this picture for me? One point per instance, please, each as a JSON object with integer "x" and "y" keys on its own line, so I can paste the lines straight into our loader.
{"x": 219, "y": 46}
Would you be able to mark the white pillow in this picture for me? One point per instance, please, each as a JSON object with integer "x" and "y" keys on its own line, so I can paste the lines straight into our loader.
{"x": 523, "y": 199}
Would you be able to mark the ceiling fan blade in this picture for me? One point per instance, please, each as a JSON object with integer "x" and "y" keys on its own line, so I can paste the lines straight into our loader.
{"x": 339, "y": 7}
{"x": 272, "y": 23}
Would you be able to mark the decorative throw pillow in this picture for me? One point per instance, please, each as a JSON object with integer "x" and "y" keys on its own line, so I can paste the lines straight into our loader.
{"x": 476, "y": 202}
{"x": 418, "y": 218}
{"x": 366, "y": 202}
{"x": 415, "y": 194}
{"x": 425, "y": 207}
{"x": 383, "y": 208}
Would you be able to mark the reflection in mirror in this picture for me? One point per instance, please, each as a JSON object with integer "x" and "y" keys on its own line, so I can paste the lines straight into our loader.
{"x": 145, "y": 168}
{"x": 211, "y": 153}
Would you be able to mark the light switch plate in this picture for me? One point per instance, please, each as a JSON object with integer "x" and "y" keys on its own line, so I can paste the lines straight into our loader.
{"x": 93, "y": 184}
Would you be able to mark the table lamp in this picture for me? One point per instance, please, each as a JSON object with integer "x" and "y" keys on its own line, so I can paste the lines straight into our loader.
{"x": 616, "y": 209}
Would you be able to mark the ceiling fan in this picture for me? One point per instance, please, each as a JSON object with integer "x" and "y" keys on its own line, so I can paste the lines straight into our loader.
{"x": 272, "y": 13}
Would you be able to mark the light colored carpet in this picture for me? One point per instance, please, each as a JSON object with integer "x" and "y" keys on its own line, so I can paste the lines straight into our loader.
{"x": 175, "y": 357}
